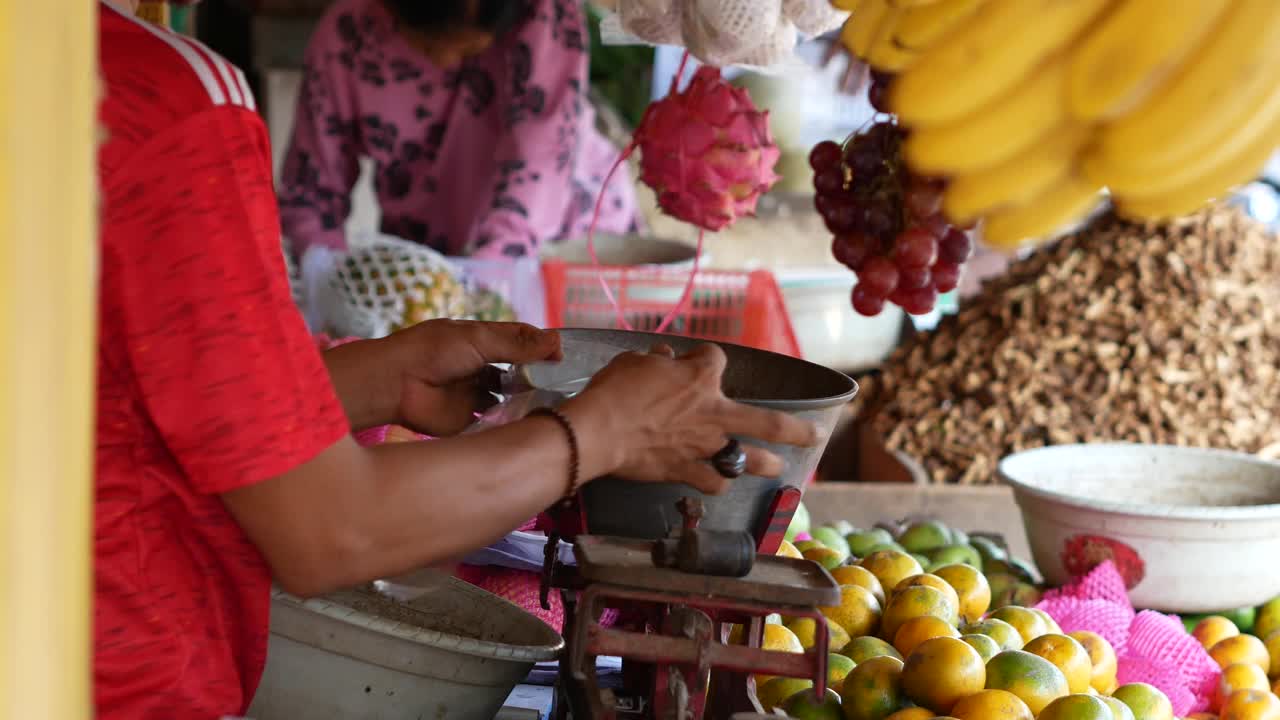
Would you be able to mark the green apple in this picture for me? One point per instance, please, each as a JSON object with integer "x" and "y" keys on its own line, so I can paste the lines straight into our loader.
{"x": 955, "y": 555}
{"x": 1001, "y": 583}
{"x": 885, "y": 546}
{"x": 921, "y": 537}
{"x": 806, "y": 705}
{"x": 778, "y": 690}
{"x": 860, "y": 544}
{"x": 1023, "y": 569}
{"x": 988, "y": 549}
{"x": 832, "y": 538}
{"x": 1268, "y": 619}
{"x": 1020, "y": 594}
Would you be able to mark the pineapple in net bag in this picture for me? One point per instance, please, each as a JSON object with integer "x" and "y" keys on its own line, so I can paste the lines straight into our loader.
{"x": 388, "y": 284}
{"x": 488, "y": 305}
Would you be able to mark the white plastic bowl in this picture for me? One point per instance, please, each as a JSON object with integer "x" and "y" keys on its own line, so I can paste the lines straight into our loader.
{"x": 829, "y": 331}
{"x": 460, "y": 658}
{"x": 637, "y": 251}
{"x": 629, "y": 250}
{"x": 1204, "y": 523}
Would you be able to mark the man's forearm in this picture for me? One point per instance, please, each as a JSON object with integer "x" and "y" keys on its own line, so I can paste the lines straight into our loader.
{"x": 356, "y": 514}
{"x": 422, "y": 512}
{"x": 365, "y": 381}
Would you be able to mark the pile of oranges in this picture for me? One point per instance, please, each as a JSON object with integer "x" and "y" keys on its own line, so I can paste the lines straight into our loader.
{"x": 914, "y": 646}
{"x": 1250, "y": 683}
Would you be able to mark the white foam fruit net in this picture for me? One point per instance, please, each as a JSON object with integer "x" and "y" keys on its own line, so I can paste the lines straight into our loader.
{"x": 752, "y": 33}
{"x": 387, "y": 284}
{"x": 384, "y": 284}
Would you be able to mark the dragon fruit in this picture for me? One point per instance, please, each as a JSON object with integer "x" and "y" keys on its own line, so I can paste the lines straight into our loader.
{"x": 707, "y": 152}
{"x": 1082, "y": 553}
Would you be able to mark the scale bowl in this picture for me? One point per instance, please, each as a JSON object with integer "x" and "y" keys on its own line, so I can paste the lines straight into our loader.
{"x": 622, "y": 508}
{"x": 425, "y": 645}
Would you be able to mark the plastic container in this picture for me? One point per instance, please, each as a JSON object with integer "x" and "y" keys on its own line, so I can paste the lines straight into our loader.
{"x": 622, "y": 508}
{"x": 1199, "y": 529}
{"x": 520, "y": 282}
{"x": 728, "y": 307}
{"x": 830, "y": 332}
{"x": 624, "y": 250}
{"x": 453, "y": 651}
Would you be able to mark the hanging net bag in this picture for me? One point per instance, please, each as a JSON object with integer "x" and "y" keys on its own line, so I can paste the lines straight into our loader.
{"x": 386, "y": 284}
{"x": 750, "y": 33}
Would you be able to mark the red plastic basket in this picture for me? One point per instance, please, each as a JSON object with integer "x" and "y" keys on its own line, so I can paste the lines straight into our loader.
{"x": 744, "y": 308}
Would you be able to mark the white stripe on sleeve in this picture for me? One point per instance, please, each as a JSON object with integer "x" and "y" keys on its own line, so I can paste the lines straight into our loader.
{"x": 193, "y": 58}
{"x": 224, "y": 70}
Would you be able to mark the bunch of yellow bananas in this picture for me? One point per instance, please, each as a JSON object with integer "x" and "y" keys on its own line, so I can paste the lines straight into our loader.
{"x": 1034, "y": 109}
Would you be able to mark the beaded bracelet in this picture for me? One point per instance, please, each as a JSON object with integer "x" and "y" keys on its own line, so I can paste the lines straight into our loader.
{"x": 563, "y": 422}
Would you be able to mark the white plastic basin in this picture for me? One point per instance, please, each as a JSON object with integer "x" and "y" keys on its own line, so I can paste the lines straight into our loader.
{"x": 1204, "y": 524}
{"x": 457, "y": 652}
{"x": 624, "y": 250}
{"x": 830, "y": 332}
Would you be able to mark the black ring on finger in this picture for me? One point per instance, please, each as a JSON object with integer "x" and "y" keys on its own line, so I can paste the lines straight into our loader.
{"x": 731, "y": 461}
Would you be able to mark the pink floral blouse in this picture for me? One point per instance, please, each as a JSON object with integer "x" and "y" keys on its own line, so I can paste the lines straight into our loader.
{"x": 490, "y": 158}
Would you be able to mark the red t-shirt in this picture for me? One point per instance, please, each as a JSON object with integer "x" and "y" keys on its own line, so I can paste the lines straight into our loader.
{"x": 207, "y": 379}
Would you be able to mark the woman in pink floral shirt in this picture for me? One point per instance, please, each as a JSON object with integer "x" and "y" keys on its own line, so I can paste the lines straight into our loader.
{"x": 475, "y": 113}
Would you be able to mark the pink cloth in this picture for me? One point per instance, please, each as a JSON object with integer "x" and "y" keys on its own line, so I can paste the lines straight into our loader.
{"x": 1151, "y": 647}
{"x": 491, "y": 158}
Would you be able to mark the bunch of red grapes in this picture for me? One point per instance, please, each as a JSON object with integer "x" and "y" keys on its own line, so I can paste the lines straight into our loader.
{"x": 887, "y": 223}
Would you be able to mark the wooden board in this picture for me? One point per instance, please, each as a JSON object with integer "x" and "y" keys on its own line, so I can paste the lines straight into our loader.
{"x": 986, "y": 508}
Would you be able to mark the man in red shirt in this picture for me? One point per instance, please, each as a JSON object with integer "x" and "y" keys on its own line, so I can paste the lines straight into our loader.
{"x": 223, "y": 450}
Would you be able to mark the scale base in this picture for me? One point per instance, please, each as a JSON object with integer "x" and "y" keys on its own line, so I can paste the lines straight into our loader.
{"x": 673, "y": 642}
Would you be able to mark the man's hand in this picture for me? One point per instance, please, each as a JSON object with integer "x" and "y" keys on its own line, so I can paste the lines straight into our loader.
{"x": 446, "y": 368}
{"x": 432, "y": 377}
{"x": 660, "y": 418}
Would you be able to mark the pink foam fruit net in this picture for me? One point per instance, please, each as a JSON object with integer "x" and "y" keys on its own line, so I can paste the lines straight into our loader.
{"x": 1151, "y": 647}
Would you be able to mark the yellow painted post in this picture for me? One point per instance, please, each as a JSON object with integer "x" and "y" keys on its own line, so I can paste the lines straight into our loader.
{"x": 48, "y": 293}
